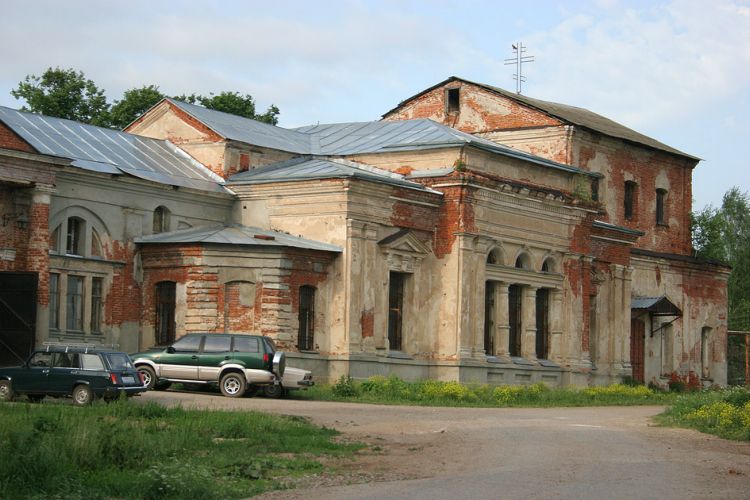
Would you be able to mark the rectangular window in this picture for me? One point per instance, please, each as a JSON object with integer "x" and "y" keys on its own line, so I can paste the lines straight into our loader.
{"x": 395, "y": 309}
{"x": 74, "y": 236}
{"x": 305, "y": 341}
{"x": 54, "y": 301}
{"x": 629, "y": 199}
{"x": 661, "y": 197}
{"x": 74, "y": 303}
{"x": 97, "y": 304}
{"x": 514, "y": 320}
{"x": 452, "y": 100}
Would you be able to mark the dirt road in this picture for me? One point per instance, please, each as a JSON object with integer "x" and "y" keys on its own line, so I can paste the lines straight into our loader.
{"x": 448, "y": 453}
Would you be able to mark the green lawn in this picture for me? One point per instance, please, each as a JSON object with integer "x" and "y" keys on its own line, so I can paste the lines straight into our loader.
{"x": 127, "y": 450}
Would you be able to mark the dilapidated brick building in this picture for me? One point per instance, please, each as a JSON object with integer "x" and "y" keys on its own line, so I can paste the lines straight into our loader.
{"x": 472, "y": 234}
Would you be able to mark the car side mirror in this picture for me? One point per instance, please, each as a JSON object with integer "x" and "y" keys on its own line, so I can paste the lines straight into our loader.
{"x": 171, "y": 350}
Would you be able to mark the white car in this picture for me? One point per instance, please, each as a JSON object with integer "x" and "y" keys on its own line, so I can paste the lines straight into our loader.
{"x": 293, "y": 379}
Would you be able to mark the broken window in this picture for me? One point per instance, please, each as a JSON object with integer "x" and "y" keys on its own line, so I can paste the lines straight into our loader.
{"x": 514, "y": 320}
{"x": 161, "y": 220}
{"x": 165, "y": 312}
{"x": 661, "y": 197}
{"x": 395, "y": 309}
{"x": 305, "y": 337}
{"x": 452, "y": 102}
{"x": 542, "y": 323}
{"x": 629, "y": 201}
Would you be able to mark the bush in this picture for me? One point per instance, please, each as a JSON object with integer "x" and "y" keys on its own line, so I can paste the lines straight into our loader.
{"x": 345, "y": 387}
{"x": 725, "y": 413}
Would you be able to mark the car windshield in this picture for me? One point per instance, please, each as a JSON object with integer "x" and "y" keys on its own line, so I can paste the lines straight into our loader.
{"x": 118, "y": 361}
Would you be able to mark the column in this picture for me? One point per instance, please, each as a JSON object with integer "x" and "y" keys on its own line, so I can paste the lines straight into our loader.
{"x": 556, "y": 326}
{"x": 38, "y": 254}
{"x": 528, "y": 324}
{"x": 502, "y": 324}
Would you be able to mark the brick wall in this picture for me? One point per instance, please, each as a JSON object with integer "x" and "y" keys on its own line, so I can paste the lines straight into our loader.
{"x": 11, "y": 140}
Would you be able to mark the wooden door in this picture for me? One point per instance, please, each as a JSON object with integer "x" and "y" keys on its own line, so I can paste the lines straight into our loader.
{"x": 637, "y": 344}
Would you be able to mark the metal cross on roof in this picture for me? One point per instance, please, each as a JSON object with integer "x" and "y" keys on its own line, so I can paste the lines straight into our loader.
{"x": 519, "y": 49}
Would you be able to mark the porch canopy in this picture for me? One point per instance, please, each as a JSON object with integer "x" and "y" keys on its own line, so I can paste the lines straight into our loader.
{"x": 657, "y": 306}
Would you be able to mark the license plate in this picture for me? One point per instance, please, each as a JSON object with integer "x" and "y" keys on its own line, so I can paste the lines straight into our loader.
{"x": 128, "y": 380}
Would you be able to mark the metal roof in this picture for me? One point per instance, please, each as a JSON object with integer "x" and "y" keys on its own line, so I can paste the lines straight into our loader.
{"x": 571, "y": 114}
{"x": 239, "y": 128}
{"x": 308, "y": 167}
{"x": 658, "y": 306}
{"x": 110, "y": 151}
{"x": 408, "y": 135}
{"x": 606, "y": 225}
{"x": 236, "y": 235}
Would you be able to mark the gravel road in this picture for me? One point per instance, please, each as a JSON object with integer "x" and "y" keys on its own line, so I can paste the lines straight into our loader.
{"x": 448, "y": 453}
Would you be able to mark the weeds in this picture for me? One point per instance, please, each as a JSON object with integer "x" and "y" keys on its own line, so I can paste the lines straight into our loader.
{"x": 724, "y": 413}
{"x": 128, "y": 450}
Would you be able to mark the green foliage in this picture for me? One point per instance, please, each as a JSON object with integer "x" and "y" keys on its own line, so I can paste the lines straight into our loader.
{"x": 345, "y": 387}
{"x": 725, "y": 413}
{"x": 393, "y": 390}
{"x": 128, "y": 450}
{"x": 233, "y": 103}
{"x": 724, "y": 234}
{"x": 64, "y": 93}
{"x": 133, "y": 104}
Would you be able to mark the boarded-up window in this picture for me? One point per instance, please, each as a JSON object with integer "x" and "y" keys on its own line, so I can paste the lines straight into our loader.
{"x": 239, "y": 306}
{"x": 161, "y": 220}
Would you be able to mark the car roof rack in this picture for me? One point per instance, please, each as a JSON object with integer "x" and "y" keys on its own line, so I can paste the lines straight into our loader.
{"x": 76, "y": 345}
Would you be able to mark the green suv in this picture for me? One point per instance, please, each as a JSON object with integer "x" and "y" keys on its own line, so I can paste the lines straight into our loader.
{"x": 81, "y": 372}
{"x": 237, "y": 362}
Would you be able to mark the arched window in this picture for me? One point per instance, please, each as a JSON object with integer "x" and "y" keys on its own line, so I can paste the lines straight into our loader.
{"x": 494, "y": 257}
{"x": 548, "y": 266}
{"x": 161, "y": 219}
{"x": 306, "y": 335}
{"x": 523, "y": 261}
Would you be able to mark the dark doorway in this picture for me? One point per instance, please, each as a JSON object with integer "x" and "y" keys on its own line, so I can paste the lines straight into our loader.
{"x": 165, "y": 307}
{"x": 395, "y": 309}
{"x": 305, "y": 340}
{"x": 17, "y": 316}
{"x": 637, "y": 343}
{"x": 489, "y": 318}
{"x": 514, "y": 319}
{"x": 542, "y": 323}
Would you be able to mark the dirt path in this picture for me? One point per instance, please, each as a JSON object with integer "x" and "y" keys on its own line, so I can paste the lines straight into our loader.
{"x": 436, "y": 453}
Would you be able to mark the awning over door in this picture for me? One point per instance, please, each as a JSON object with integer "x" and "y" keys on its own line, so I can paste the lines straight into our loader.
{"x": 657, "y": 306}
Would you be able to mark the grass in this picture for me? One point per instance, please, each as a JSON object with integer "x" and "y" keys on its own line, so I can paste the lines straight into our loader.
{"x": 724, "y": 413}
{"x": 128, "y": 450}
{"x": 393, "y": 390}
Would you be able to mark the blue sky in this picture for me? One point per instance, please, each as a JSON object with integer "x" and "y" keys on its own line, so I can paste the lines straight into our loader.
{"x": 678, "y": 71}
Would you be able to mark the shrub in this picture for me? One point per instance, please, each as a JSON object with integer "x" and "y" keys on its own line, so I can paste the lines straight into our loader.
{"x": 345, "y": 387}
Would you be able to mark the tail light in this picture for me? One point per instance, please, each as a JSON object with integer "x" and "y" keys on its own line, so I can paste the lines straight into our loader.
{"x": 113, "y": 378}
{"x": 265, "y": 358}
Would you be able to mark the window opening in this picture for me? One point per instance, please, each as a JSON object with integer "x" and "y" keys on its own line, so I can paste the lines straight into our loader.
{"x": 395, "y": 309}
{"x": 165, "y": 312}
{"x": 74, "y": 240}
{"x": 453, "y": 100}
{"x": 54, "y": 240}
{"x": 96, "y": 244}
{"x": 161, "y": 220}
{"x": 54, "y": 301}
{"x": 75, "y": 303}
{"x": 97, "y": 303}
{"x": 629, "y": 201}
{"x": 542, "y": 323}
{"x": 305, "y": 339}
{"x": 489, "y": 318}
{"x": 514, "y": 320}
{"x": 661, "y": 196}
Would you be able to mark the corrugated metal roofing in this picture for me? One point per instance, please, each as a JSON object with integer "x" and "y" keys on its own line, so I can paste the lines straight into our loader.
{"x": 306, "y": 167}
{"x": 571, "y": 114}
{"x": 236, "y": 235}
{"x": 243, "y": 129}
{"x": 626, "y": 230}
{"x": 659, "y": 306}
{"x": 111, "y": 151}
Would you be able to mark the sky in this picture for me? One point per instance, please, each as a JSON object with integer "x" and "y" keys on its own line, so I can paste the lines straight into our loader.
{"x": 678, "y": 71}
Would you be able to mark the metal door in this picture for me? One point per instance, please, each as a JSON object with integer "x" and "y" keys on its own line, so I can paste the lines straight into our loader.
{"x": 637, "y": 343}
{"x": 17, "y": 316}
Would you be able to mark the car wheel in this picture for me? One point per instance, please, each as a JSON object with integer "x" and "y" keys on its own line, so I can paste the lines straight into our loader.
{"x": 233, "y": 385}
{"x": 275, "y": 391}
{"x": 35, "y": 398}
{"x": 82, "y": 395}
{"x": 149, "y": 377}
{"x": 6, "y": 391}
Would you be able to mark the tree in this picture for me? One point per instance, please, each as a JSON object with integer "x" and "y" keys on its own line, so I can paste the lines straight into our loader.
{"x": 64, "y": 93}
{"x": 233, "y": 103}
{"x": 133, "y": 104}
{"x": 724, "y": 234}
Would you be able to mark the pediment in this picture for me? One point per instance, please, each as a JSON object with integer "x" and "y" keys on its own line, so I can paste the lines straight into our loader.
{"x": 404, "y": 241}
